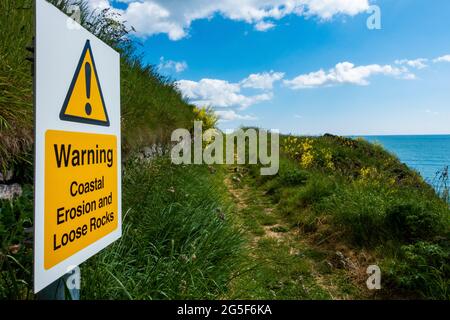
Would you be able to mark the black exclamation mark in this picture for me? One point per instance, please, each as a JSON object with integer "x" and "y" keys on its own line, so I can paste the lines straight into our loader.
{"x": 87, "y": 69}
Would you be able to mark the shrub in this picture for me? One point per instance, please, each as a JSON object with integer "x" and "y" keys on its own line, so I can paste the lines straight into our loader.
{"x": 293, "y": 177}
{"x": 414, "y": 219}
{"x": 422, "y": 268}
{"x": 359, "y": 211}
{"x": 16, "y": 254}
{"x": 293, "y": 199}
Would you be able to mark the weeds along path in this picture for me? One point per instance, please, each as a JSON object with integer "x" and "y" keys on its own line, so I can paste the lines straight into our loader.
{"x": 279, "y": 263}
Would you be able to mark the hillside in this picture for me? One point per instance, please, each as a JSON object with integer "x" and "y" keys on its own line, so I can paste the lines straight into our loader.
{"x": 337, "y": 206}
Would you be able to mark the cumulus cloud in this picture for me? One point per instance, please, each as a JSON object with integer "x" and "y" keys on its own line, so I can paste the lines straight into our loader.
{"x": 416, "y": 63}
{"x": 263, "y": 80}
{"x": 345, "y": 73}
{"x": 445, "y": 58}
{"x": 326, "y": 9}
{"x": 174, "y": 17}
{"x": 218, "y": 93}
{"x": 99, "y": 4}
{"x": 170, "y": 65}
{"x": 264, "y": 25}
{"x": 230, "y": 115}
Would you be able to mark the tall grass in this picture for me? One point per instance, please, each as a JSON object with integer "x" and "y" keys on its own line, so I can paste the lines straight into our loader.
{"x": 151, "y": 105}
{"x": 441, "y": 183}
{"x": 178, "y": 239}
{"x": 176, "y": 243}
{"x": 16, "y": 109}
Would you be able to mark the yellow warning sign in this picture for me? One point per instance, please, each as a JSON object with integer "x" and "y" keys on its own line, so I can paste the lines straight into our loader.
{"x": 81, "y": 192}
{"x": 84, "y": 101}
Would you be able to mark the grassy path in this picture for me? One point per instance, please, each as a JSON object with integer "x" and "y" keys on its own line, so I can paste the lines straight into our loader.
{"x": 280, "y": 264}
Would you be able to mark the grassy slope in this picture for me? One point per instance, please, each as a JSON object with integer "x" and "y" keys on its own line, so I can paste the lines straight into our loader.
{"x": 151, "y": 107}
{"x": 16, "y": 109}
{"x": 353, "y": 198}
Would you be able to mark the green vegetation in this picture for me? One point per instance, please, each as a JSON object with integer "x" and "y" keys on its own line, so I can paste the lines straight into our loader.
{"x": 178, "y": 240}
{"x": 16, "y": 100}
{"x": 341, "y": 192}
{"x": 16, "y": 251}
{"x": 174, "y": 245}
{"x": 336, "y": 206}
{"x": 280, "y": 264}
{"x": 151, "y": 107}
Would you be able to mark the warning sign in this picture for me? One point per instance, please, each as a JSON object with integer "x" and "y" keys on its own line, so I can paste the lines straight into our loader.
{"x": 78, "y": 170}
{"x": 80, "y": 191}
{"x": 84, "y": 101}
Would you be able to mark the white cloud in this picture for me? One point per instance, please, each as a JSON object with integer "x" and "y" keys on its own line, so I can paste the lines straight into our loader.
{"x": 170, "y": 65}
{"x": 264, "y": 25}
{"x": 99, "y": 4}
{"x": 229, "y": 115}
{"x": 297, "y": 116}
{"x": 326, "y": 9}
{"x": 345, "y": 73}
{"x": 434, "y": 113}
{"x": 445, "y": 58}
{"x": 218, "y": 93}
{"x": 263, "y": 80}
{"x": 416, "y": 63}
{"x": 174, "y": 17}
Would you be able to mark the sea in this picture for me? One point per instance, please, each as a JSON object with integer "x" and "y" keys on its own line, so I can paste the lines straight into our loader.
{"x": 427, "y": 154}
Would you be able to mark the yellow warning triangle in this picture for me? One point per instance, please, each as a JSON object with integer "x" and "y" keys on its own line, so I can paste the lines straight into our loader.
{"x": 84, "y": 101}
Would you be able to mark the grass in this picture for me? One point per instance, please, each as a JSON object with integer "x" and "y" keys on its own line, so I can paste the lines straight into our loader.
{"x": 344, "y": 193}
{"x": 151, "y": 106}
{"x": 279, "y": 263}
{"x": 16, "y": 253}
{"x": 16, "y": 109}
{"x": 178, "y": 239}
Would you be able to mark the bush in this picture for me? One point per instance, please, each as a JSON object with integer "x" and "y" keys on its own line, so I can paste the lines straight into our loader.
{"x": 423, "y": 268}
{"x": 414, "y": 220}
{"x": 359, "y": 211}
{"x": 293, "y": 200}
{"x": 293, "y": 177}
{"x": 16, "y": 252}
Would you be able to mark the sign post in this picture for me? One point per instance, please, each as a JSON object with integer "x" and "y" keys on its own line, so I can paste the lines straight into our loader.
{"x": 77, "y": 146}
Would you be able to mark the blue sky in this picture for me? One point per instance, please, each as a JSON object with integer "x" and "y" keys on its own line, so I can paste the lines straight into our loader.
{"x": 304, "y": 66}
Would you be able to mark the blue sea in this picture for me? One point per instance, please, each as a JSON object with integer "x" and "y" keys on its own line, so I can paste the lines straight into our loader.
{"x": 428, "y": 154}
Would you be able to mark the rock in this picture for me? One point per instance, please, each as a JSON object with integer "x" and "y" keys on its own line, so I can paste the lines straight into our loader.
{"x": 14, "y": 248}
{"x": 212, "y": 169}
{"x": 6, "y": 176}
{"x": 148, "y": 152}
{"x": 155, "y": 150}
{"x": 10, "y": 191}
{"x": 343, "y": 262}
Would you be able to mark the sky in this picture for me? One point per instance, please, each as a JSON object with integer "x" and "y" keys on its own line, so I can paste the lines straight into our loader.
{"x": 308, "y": 67}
